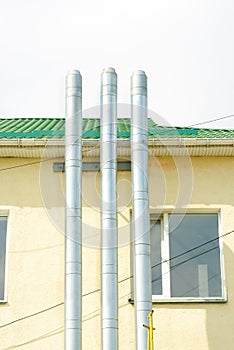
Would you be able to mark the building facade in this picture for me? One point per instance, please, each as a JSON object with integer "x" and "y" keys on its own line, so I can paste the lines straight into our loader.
{"x": 191, "y": 207}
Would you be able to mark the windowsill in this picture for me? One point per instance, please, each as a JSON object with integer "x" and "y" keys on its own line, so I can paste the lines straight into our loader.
{"x": 185, "y": 301}
{"x": 189, "y": 300}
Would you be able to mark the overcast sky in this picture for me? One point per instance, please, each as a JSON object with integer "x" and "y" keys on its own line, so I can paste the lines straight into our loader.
{"x": 186, "y": 48}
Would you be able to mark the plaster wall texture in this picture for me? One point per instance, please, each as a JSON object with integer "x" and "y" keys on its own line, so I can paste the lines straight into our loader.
{"x": 32, "y": 316}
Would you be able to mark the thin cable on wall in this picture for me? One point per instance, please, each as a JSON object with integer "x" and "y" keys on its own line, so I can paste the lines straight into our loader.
{"x": 125, "y": 279}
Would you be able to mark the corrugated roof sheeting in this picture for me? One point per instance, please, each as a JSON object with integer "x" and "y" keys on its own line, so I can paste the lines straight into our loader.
{"x": 41, "y": 128}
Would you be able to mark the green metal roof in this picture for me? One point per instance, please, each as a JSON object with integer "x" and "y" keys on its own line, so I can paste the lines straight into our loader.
{"x": 40, "y": 128}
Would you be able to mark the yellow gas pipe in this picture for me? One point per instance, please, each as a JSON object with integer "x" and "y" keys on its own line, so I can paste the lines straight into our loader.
{"x": 150, "y": 331}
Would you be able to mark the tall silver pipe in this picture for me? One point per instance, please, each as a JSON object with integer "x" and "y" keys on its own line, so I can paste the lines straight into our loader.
{"x": 139, "y": 154}
{"x": 73, "y": 237}
{"x": 109, "y": 234}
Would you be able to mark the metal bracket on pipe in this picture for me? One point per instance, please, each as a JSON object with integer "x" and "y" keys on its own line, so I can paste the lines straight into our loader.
{"x": 59, "y": 167}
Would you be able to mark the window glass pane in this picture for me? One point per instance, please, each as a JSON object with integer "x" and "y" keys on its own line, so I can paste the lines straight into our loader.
{"x": 3, "y": 226}
{"x": 155, "y": 232}
{"x": 194, "y": 255}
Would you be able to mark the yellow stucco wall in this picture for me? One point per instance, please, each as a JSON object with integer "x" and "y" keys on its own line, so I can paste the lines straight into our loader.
{"x": 32, "y": 317}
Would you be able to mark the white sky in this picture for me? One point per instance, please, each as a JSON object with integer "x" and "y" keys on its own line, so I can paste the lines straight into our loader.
{"x": 186, "y": 48}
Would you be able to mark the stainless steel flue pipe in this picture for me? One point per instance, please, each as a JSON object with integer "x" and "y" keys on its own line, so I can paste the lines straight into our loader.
{"x": 109, "y": 233}
{"x": 139, "y": 158}
{"x": 73, "y": 235}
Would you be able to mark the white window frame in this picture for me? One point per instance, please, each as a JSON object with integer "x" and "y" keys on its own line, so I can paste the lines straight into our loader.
{"x": 4, "y": 300}
{"x": 165, "y": 254}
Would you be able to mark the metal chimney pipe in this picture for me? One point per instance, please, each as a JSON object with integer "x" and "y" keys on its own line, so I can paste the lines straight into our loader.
{"x": 73, "y": 237}
{"x": 139, "y": 154}
{"x": 109, "y": 233}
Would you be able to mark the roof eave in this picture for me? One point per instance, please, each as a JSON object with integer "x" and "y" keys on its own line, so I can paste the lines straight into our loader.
{"x": 53, "y": 148}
